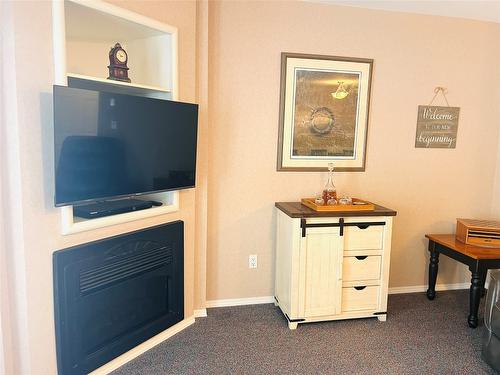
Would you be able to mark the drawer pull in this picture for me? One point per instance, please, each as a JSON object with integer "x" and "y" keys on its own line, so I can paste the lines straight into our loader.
{"x": 361, "y": 257}
{"x": 363, "y": 226}
{"x": 359, "y": 287}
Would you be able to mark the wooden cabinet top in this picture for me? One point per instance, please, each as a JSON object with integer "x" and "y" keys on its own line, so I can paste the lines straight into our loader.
{"x": 297, "y": 209}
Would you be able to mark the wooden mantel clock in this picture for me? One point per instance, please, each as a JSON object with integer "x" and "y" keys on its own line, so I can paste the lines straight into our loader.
{"x": 118, "y": 59}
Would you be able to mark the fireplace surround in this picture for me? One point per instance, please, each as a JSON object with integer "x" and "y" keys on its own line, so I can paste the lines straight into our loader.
{"x": 113, "y": 294}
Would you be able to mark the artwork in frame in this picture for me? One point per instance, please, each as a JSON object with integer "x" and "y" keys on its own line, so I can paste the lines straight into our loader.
{"x": 324, "y": 109}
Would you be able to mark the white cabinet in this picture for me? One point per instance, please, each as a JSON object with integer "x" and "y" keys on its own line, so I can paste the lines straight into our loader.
{"x": 332, "y": 266}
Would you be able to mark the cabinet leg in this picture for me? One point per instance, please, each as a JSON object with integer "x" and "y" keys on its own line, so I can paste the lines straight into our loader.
{"x": 382, "y": 318}
{"x": 293, "y": 325}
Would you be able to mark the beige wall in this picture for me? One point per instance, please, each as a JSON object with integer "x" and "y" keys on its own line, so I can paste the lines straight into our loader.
{"x": 495, "y": 92}
{"x": 34, "y": 224}
{"x": 429, "y": 188}
{"x": 495, "y": 206}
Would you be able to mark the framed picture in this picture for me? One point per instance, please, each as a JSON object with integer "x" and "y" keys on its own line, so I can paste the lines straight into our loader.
{"x": 323, "y": 112}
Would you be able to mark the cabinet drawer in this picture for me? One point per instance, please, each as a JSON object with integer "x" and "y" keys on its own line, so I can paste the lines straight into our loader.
{"x": 371, "y": 237}
{"x": 362, "y": 299}
{"x": 361, "y": 268}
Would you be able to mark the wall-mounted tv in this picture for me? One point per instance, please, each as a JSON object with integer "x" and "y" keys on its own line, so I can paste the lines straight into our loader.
{"x": 110, "y": 145}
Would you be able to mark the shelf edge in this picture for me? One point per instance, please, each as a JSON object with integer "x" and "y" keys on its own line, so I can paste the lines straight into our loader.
{"x": 118, "y": 83}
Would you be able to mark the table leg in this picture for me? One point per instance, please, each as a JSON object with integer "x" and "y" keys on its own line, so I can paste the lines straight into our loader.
{"x": 433, "y": 270}
{"x": 476, "y": 287}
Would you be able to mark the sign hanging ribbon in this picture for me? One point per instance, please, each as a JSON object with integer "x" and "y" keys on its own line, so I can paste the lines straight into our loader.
{"x": 442, "y": 90}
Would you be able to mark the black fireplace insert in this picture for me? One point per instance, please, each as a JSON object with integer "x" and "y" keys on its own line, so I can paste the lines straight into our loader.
{"x": 113, "y": 294}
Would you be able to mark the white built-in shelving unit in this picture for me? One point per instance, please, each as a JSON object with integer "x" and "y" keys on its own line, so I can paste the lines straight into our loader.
{"x": 83, "y": 33}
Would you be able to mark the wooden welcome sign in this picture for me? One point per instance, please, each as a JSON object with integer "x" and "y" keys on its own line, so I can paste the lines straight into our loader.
{"x": 437, "y": 127}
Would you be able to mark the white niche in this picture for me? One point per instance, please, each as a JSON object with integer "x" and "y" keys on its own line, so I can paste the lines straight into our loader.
{"x": 83, "y": 33}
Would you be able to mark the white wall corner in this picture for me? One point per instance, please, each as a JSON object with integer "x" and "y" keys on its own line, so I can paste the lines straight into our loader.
{"x": 18, "y": 357}
{"x": 200, "y": 313}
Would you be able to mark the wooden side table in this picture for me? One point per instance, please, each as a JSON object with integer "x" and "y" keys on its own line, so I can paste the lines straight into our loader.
{"x": 479, "y": 260}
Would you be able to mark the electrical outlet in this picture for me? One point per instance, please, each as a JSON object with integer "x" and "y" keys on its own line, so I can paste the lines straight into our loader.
{"x": 252, "y": 261}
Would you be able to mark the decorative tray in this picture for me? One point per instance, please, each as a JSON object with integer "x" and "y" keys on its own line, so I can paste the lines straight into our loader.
{"x": 357, "y": 205}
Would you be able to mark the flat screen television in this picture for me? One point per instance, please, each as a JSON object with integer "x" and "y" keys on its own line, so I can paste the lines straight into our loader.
{"x": 110, "y": 145}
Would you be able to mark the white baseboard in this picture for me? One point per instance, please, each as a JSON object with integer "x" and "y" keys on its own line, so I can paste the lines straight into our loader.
{"x": 423, "y": 288}
{"x": 145, "y": 346}
{"x": 270, "y": 299}
{"x": 200, "y": 313}
{"x": 240, "y": 301}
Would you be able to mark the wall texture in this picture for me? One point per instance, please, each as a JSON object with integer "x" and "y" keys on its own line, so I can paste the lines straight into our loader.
{"x": 495, "y": 206}
{"x": 495, "y": 92}
{"x": 429, "y": 188}
{"x": 33, "y": 232}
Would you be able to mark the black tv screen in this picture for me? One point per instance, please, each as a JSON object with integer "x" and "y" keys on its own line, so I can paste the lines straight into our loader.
{"x": 114, "y": 145}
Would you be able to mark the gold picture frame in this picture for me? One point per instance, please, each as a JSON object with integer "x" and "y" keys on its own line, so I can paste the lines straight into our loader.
{"x": 324, "y": 108}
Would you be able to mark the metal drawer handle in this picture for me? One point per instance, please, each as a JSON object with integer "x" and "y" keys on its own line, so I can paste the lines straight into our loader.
{"x": 360, "y": 287}
{"x": 363, "y": 226}
{"x": 361, "y": 257}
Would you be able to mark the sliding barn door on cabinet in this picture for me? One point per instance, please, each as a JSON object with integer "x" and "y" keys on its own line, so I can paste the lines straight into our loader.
{"x": 322, "y": 269}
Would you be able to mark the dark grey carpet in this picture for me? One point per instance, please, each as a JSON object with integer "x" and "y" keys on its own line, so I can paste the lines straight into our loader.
{"x": 419, "y": 337}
